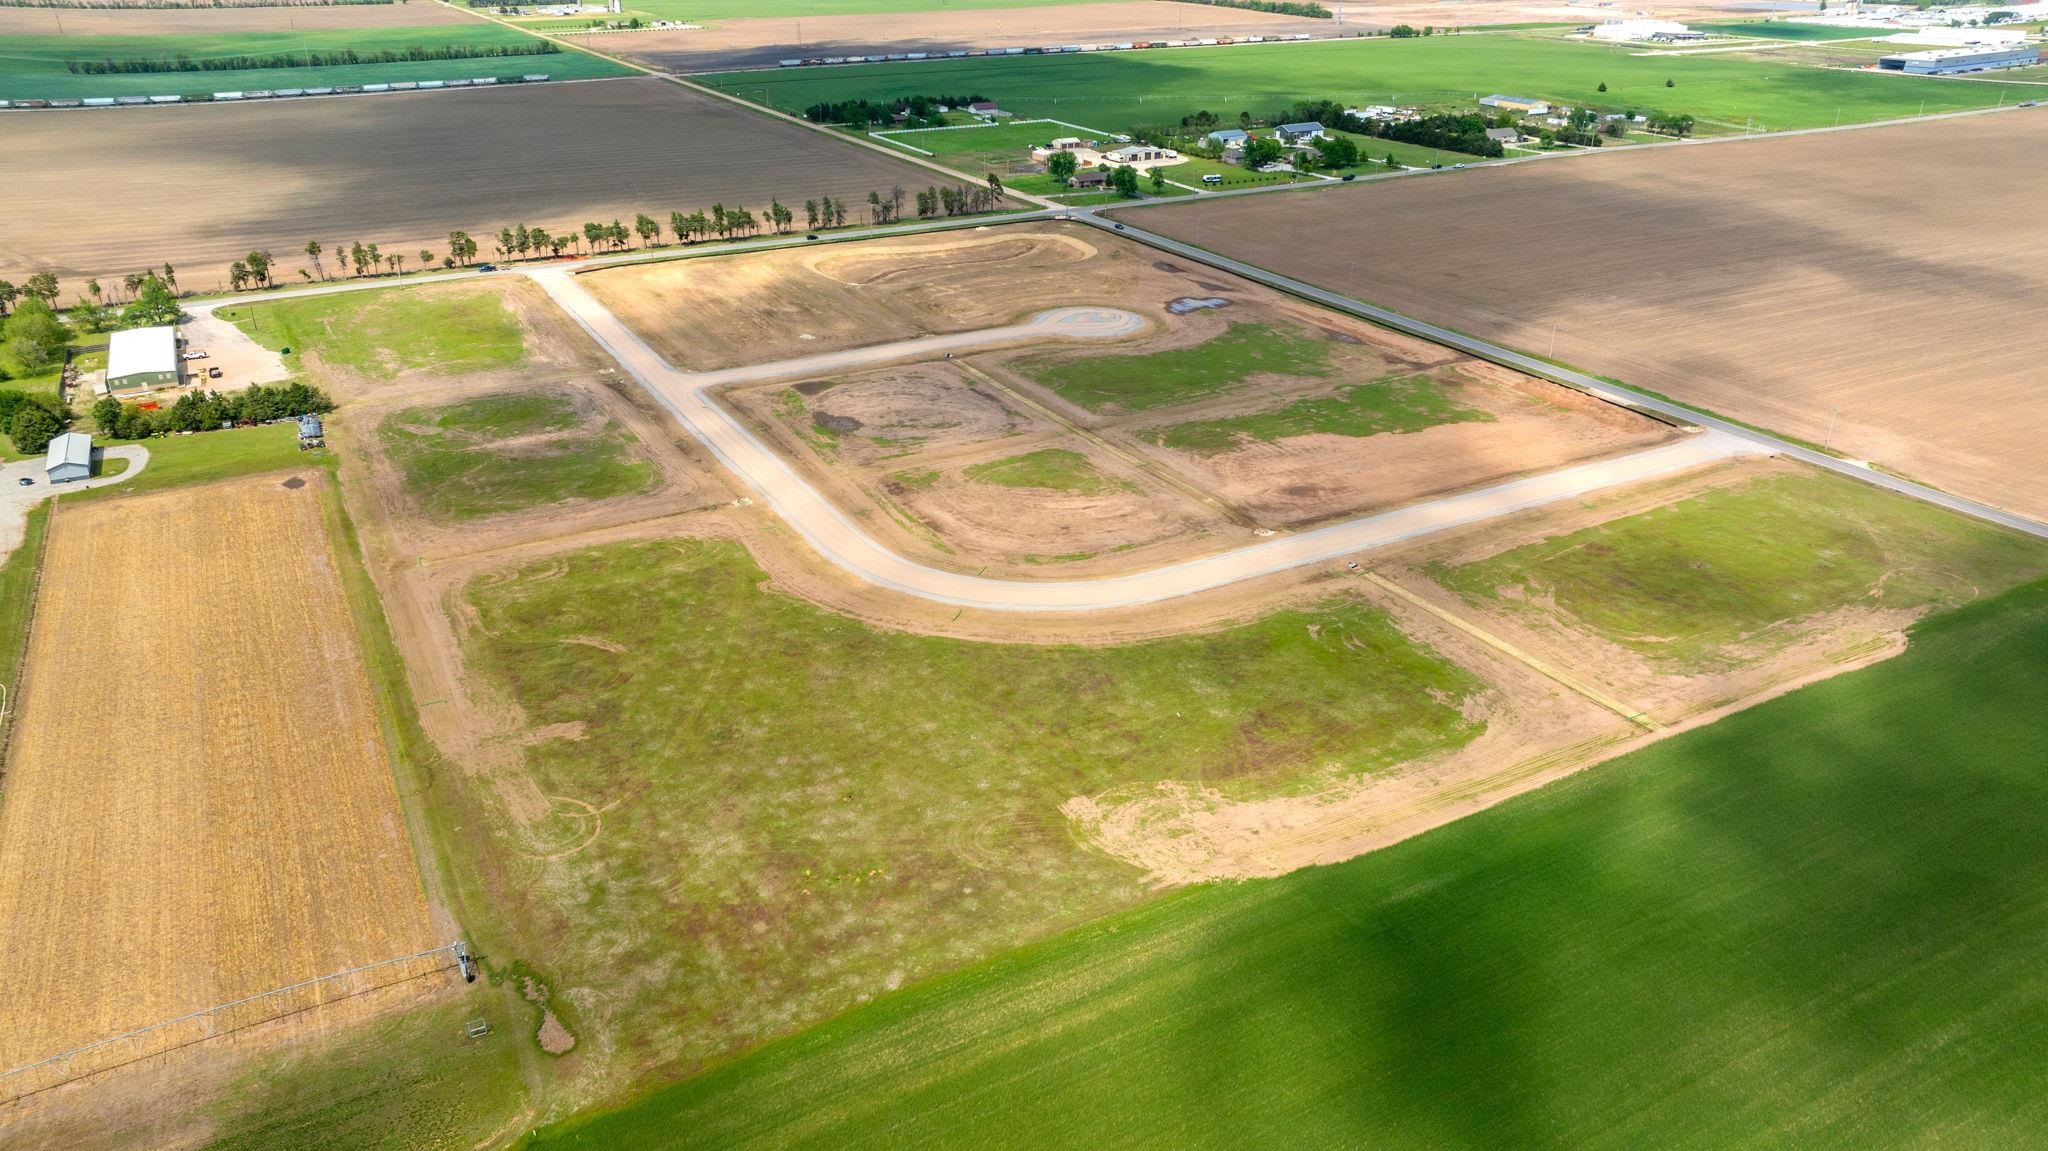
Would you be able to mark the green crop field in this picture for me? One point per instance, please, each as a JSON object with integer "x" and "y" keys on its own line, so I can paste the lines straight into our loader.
{"x": 800, "y": 811}
{"x": 1181, "y": 375}
{"x": 704, "y": 10}
{"x": 34, "y": 67}
{"x": 1122, "y": 90}
{"x": 1729, "y": 566}
{"x": 458, "y": 464}
{"x": 1056, "y": 469}
{"x": 1779, "y": 30}
{"x": 380, "y": 334}
{"x": 1394, "y": 404}
{"x": 1816, "y": 924}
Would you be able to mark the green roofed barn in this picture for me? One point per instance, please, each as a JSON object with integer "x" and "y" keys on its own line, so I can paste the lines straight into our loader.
{"x": 141, "y": 359}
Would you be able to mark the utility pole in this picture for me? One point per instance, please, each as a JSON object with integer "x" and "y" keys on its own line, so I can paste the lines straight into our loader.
{"x": 1825, "y": 440}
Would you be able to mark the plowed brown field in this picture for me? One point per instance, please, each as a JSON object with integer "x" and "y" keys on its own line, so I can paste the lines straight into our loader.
{"x": 198, "y": 805}
{"x": 137, "y": 21}
{"x": 400, "y": 170}
{"x": 1887, "y": 272}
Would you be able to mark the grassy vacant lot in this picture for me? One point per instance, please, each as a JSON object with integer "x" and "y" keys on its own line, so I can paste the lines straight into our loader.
{"x": 380, "y": 334}
{"x": 1181, "y": 375}
{"x": 35, "y": 66}
{"x": 1054, "y": 468}
{"x": 17, "y": 600}
{"x": 1683, "y": 581}
{"x": 1817, "y": 923}
{"x": 1103, "y": 89}
{"x": 509, "y": 452}
{"x": 1393, "y": 404}
{"x": 818, "y": 811}
{"x": 207, "y": 456}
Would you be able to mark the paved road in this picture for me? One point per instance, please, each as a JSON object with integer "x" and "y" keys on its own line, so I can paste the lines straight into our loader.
{"x": 849, "y": 546}
{"x": 1546, "y": 370}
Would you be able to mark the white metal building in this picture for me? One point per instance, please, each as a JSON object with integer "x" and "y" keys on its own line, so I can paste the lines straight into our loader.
{"x": 142, "y": 358}
{"x": 69, "y": 458}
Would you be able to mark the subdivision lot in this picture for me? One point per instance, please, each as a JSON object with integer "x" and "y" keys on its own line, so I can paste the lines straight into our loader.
{"x": 1814, "y": 325}
{"x": 1846, "y": 862}
{"x": 1240, "y": 412}
{"x": 511, "y": 452}
{"x": 1726, "y": 92}
{"x": 225, "y": 179}
{"x": 756, "y": 43}
{"x": 199, "y": 806}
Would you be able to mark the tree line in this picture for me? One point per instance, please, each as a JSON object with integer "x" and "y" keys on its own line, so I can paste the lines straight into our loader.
{"x": 204, "y": 411}
{"x": 408, "y": 55}
{"x": 1278, "y": 7}
{"x": 918, "y": 111}
{"x": 32, "y": 419}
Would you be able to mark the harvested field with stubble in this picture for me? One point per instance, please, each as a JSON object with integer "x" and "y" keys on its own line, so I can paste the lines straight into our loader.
{"x": 138, "y": 21}
{"x": 1873, "y": 273}
{"x": 198, "y": 803}
{"x": 761, "y": 42}
{"x": 401, "y": 170}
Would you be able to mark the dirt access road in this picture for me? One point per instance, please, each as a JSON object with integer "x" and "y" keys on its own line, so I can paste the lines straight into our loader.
{"x": 845, "y": 544}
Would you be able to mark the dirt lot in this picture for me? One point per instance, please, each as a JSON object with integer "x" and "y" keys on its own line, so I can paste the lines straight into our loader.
{"x": 233, "y": 18}
{"x": 199, "y": 806}
{"x": 736, "y": 44}
{"x": 1768, "y": 280}
{"x": 401, "y": 170}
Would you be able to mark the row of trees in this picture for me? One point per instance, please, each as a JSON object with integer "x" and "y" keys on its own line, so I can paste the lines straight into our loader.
{"x": 110, "y": 66}
{"x": 917, "y": 111}
{"x": 1280, "y": 7}
{"x": 32, "y": 340}
{"x": 202, "y": 411}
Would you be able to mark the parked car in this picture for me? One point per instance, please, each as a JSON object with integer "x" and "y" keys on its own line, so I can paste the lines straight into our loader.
{"x": 193, "y": 355}
{"x": 811, "y": 236}
{"x": 487, "y": 267}
{"x": 213, "y": 373}
{"x": 27, "y": 481}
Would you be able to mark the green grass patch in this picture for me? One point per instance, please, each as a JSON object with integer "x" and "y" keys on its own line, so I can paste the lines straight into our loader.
{"x": 1777, "y": 30}
{"x": 1393, "y": 404}
{"x": 34, "y": 67}
{"x": 914, "y": 480}
{"x": 1817, "y": 924}
{"x": 382, "y": 333}
{"x": 1104, "y": 88}
{"x": 505, "y": 453}
{"x": 1181, "y": 375}
{"x": 203, "y": 457}
{"x": 1054, "y": 469}
{"x": 17, "y": 602}
{"x": 822, "y": 810}
{"x": 1191, "y": 170}
{"x": 1735, "y": 565}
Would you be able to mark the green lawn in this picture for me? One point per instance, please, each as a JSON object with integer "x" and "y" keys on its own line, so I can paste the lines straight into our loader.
{"x": 1778, "y": 30}
{"x": 1393, "y": 404}
{"x": 35, "y": 66}
{"x": 1181, "y": 375}
{"x": 1814, "y": 924}
{"x": 382, "y": 333}
{"x": 457, "y": 461}
{"x": 206, "y": 456}
{"x": 17, "y": 602}
{"x": 1119, "y": 90}
{"x": 801, "y": 811}
{"x": 1056, "y": 469}
{"x": 1191, "y": 170}
{"x": 1683, "y": 581}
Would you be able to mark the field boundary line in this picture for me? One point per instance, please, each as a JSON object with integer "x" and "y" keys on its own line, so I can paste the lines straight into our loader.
{"x": 1634, "y": 715}
{"x": 458, "y": 950}
{"x": 10, "y": 692}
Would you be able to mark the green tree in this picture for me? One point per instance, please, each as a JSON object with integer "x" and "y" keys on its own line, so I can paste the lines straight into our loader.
{"x": 258, "y": 264}
{"x": 43, "y": 286}
{"x": 995, "y": 188}
{"x": 106, "y": 414}
{"x": 33, "y": 429}
{"x": 154, "y": 305}
{"x": 810, "y": 215}
{"x": 1060, "y": 165}
{"x": 1261, "y": 152}
{"x": 1603, "y": 86}
{"x": 313, "y": 253}
{"x": 1671, "y": 83}
{"x": 427, "y": 257}
{"x": 1124, "y": 180}
{"x": 1402, "y": 31}
{"x": 1337, "y": 152}
{"x": 649, "y": 229}
{"x": 461, "y": 248}
{"x": 1391, "y": 162}
{"x": 1158, "y": 181}
{"x": 8, "y": 294}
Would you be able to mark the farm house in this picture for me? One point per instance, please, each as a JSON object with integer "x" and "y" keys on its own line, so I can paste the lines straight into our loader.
{"x": 142, "y": 358}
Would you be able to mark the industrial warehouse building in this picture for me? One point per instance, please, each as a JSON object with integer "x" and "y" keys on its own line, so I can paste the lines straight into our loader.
{"x": 142, "y": 358}
{"x": 1952, "y": 61}
{"x": 69, "y": 458}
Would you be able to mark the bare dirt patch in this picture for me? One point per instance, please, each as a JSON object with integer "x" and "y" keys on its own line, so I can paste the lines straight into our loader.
{"x": 732, "y": 44}
{"x": 219, "y": 818}
{"x": 137, "y": 21}
{"x": 223, "y": 179}
{"x": 1756, "y": 278}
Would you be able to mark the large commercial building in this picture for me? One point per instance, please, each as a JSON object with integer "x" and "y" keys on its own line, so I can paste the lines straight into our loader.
{"x": 69, "y": 458}
{"x": 1951, "y": 61}
{"x": 1522, "y": 104}
{"x": 142, "y": 358}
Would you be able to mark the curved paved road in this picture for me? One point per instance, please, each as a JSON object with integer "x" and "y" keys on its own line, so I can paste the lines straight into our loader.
{"x": 844, "y": 543}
